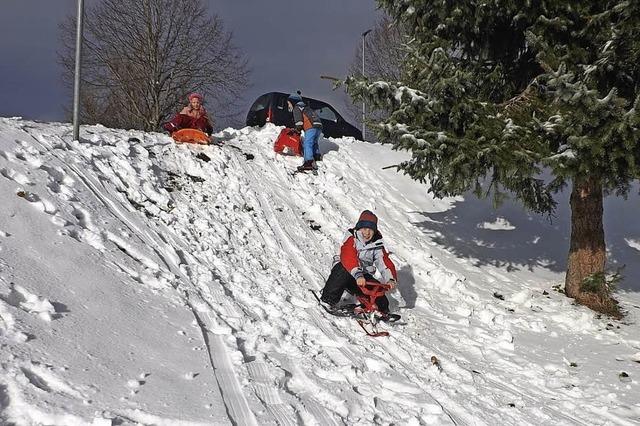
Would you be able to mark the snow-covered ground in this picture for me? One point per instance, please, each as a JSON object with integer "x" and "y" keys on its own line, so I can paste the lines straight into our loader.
{"x": 142, "y": 282}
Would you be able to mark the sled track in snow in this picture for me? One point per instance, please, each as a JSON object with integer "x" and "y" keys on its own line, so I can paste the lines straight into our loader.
{"x": 271, "y": 396}
{"x": 313, "y": 408}
{"x": 237, "y": 406}
{"x": 311, "y": 276}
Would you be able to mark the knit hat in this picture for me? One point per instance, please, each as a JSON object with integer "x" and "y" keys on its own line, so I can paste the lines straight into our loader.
{"x": 195, "y": 95}
{"x": 295, "y": 98}
{"x": 367, "y": 220}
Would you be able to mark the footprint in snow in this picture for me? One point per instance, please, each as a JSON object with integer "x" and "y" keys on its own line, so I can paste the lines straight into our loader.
{"x": 15, "y": 176}
{"x": 191, "y": 375}
{"x": 8, "y": 156}
{"x": 59, "y": 182}
{"x": 45, "y": 377}
{"x": 21, "y": 298}
{"x": 35, "y": 379}
{"x": 135, "y": 384}
{"x": 7, "y": 329}
{"x": 41, "y": 204}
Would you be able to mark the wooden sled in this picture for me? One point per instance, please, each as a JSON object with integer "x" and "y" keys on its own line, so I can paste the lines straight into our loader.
{"x": 191, "y": 136}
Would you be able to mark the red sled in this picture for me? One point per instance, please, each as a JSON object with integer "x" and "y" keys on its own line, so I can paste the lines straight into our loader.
{"x": 288, "y": 143}
{"x": 367, "y": 309}
{"x": 191, "y": 136}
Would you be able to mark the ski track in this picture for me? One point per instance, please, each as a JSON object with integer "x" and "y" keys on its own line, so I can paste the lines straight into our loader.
{"x": 205, "y": 232}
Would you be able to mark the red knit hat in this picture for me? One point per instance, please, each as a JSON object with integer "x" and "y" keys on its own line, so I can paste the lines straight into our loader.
{"x": 195, "y": 95}
{"x": 367, "y": 220}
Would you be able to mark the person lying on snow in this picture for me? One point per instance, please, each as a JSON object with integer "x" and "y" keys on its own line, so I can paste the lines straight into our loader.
{"x": 193, "y": 116}
{"x": 361, "y": 254}
{"x": 306, "y": 119}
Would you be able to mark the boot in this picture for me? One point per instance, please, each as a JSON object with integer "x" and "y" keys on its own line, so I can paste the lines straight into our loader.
{"x": 306, "y": 166}
{"x": 341, "y": 310}
{"x": 389, "y": 317}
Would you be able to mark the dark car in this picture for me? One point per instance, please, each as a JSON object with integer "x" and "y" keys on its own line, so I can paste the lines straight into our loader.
{"x": 272, "y": 108}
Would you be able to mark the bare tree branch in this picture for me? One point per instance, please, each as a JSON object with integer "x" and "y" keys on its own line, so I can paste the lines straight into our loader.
{"x": 384, "y": 56}
{"x": 142, "y": 57}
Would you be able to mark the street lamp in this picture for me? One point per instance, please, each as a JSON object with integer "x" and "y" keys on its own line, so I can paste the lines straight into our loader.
{"x": 76, "y": 81}
{"x": 364, "y": 35}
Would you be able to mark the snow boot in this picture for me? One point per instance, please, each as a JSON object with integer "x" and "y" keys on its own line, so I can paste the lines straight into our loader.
{"x": 389, "y": 317}
{"x": 341, "y": 310}
{"x": 338, "y": 308}
{"x": 307, "y": 166}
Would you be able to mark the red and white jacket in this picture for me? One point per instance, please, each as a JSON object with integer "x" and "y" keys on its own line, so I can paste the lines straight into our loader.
{"x": 361, "y": 258}
{"x": 189, "y": 118}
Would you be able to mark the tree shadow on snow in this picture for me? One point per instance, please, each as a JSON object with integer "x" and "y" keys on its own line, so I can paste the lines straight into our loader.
{"x": 472, "y": 229}
{"x": 622, "y": 233}
{"x": 530, "y": 243}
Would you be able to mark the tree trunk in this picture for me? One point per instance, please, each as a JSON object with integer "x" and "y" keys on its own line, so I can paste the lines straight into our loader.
{"x": 588, "y": 252}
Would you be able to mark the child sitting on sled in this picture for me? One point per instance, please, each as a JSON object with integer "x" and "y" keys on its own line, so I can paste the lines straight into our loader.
{"x": 361, "y": 254}
{"x": 193, "y": 116}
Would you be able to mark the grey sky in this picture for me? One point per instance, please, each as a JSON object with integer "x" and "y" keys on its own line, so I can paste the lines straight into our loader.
{"x": 289, "y": 44}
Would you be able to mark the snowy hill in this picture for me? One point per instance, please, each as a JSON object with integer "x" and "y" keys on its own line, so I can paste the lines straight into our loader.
{"x": 143, "y": 282}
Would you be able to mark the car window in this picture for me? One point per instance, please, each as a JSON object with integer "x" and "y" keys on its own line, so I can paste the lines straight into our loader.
{"x": 326, "y": 113}
{"x": 259, "y": 104}
{"x": 281, "y": 102}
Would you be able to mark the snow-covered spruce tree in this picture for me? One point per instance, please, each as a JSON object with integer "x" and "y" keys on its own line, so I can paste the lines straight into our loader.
{"x": 494, "y": 92}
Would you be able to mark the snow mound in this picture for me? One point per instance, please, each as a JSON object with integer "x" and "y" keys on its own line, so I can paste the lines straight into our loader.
{"x": 500, "y": 224}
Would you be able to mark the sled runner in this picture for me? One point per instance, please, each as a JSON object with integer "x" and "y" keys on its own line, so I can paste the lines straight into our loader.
{"x": 288, "y": 143}
{"x": 366, "y": 312}
{"x": 191, "y": 136}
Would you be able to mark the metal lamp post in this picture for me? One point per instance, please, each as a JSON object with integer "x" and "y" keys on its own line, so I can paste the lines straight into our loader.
{"x": 76, "y": 82}
{"x": 364, "y": 35}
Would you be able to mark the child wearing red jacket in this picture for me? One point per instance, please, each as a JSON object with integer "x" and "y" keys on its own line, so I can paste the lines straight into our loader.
{"x": 361, "y": 254}
{"x": 193, "y": 116}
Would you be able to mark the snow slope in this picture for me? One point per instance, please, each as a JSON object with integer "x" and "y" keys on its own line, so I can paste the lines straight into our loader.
{"x": 142, "y": 282}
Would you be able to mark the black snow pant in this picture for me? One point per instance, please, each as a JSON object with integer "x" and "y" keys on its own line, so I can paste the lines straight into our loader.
{"x": 340, "y": 280}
